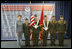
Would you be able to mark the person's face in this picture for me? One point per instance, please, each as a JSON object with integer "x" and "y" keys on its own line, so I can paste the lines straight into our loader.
{"x": 61, "y": 19}
{"x": 53, "y": 18}
{"x": 35, "y": 17}
{"x": 45, "y": 18}
{"x": 19, "y": 17}
{"x": 26, "y": 21}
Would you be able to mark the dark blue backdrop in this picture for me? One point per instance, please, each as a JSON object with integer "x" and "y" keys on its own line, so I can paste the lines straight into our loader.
{"x": 63, "y": 8}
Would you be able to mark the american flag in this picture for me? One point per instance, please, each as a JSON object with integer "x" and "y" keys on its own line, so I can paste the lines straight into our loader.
{"x": 32, "y": 18}
{"x": 30, "y": 12}
{"x": 31, "y": 22}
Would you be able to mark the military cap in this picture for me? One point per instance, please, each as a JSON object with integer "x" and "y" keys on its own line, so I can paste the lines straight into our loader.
{"x": 35, "y": 15}
{"x": 61, "y": 17}
{"x": 45, "y": 15}
{"x": 26, "y": 18}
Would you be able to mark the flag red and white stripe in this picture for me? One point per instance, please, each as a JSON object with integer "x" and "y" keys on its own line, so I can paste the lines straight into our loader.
{"x": 32, "y": 21}
{"x": 31, "y": 24}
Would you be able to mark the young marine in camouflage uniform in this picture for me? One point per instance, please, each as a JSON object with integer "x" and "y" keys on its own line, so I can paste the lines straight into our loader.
{"x": 45, "y": 32}
{"x": 35, "y": 33}
{"x": 53, "y": 29}
{"x": 61, "y": 30}
{"x": 26, "y": 30}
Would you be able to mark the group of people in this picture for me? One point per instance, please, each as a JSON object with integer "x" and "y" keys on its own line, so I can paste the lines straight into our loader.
{"x": 51, "y": 27}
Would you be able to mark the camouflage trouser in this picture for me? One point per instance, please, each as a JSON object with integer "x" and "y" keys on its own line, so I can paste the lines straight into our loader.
{"x": 35, "y": 38}
{"x": 61, "y": 38}
{"x": 52, "y": 37}
{"x": 27, "y": 39}
{"x": 45, "y": 35}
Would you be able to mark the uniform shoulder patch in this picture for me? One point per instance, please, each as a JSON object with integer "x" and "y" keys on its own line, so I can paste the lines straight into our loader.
{"x": 59, "y": 22}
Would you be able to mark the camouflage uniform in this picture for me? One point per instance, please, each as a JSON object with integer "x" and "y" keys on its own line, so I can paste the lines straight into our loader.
{"x": 61, "y": 31}
{"x": 45, "y": 35}
{"x": 26, "y": 30}
{"x": 35, "y": 35}
{"x": 53, "y": 29}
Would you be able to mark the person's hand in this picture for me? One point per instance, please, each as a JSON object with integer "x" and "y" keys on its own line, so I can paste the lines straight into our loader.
{"x": 42, "y": 27}
{"x": 65, "y": 32}
{"x": 17, "y": 34}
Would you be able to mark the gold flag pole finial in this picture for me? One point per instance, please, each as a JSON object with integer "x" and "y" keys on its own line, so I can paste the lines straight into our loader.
{"x": 43, "y": 2}
{"x": 30, "y": 2}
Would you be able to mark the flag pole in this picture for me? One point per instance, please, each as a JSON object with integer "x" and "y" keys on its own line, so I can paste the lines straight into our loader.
{"x": 30, "y": 8}
{"x": 41, "y": 33}
{"x": 30, "y": 2}
{"x": 30, "y": 22}
{"x": 43, "y": 2}
{"x": 43, "y": 14}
